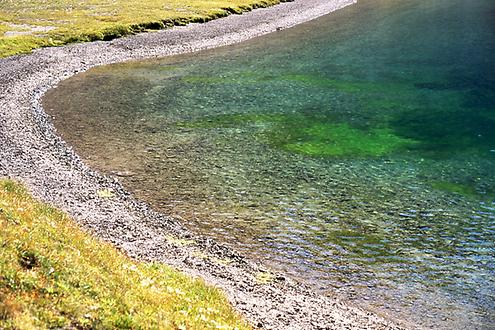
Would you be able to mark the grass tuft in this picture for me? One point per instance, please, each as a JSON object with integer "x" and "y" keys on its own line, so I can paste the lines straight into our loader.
{"x": 54, "y": 275}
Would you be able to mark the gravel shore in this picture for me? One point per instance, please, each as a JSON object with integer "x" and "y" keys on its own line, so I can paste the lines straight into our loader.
{"x": 31, "y": 152}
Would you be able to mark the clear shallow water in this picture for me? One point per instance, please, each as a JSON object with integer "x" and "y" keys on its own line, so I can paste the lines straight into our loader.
{"x": 355, "y": 152}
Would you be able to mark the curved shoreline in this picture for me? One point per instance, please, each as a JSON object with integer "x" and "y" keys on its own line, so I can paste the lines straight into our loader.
{"x": 32, "y": 152}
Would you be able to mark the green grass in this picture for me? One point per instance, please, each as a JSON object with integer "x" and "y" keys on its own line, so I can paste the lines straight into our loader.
{"x": 54, "y": 275}
{"x": 73, "y": 20}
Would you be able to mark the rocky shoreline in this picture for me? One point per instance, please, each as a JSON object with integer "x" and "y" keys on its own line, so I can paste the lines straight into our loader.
{"x": 32, "y": 152}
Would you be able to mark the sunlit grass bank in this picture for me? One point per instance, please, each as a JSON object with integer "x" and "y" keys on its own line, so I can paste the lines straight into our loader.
{"x": 54, "y": 275}
{"x": 29, "y": 24}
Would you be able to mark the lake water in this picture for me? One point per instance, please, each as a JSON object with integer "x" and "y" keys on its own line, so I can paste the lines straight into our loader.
{"x": 355, "y": 152}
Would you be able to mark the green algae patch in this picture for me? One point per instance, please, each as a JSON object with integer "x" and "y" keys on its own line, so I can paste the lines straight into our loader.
{"x": 345, "y": 85}
{"x": 339, "y": 140}
{"x": 54, "y": 275}
{"x": 314, "y": 134}
{"x": 325, "y": 82}
{"x": 312, "y": 80}
{"x": 204, "y": 80}
{"x": 458, "y": 188}
{"x": 465, "y": 189}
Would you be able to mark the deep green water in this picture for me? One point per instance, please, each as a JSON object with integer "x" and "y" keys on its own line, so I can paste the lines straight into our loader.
{"x": 355, "y": 152}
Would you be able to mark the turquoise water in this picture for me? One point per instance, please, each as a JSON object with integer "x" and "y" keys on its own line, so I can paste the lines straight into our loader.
{"x": 355, "y": 152}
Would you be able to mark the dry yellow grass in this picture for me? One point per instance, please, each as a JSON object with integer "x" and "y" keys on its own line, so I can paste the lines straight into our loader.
{"x": 28, "y": 24}
{"x": 54, "y": 275}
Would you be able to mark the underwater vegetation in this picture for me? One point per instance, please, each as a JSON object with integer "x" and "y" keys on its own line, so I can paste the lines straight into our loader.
{"x": 358, "y": 159}
{"x": 311, "y": 136}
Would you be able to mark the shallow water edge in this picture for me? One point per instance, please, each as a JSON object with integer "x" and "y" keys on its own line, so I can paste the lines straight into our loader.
{"x": 392, "y": 201}
{"x": 33, "y": 153}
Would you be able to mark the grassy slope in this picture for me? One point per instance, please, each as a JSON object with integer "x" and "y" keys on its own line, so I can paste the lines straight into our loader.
{"x": 54, "y": 275}
{"x": 74, "y": 20}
